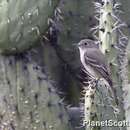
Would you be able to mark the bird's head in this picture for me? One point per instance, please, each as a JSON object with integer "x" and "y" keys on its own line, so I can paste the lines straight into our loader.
{"x": 86, "y": 44}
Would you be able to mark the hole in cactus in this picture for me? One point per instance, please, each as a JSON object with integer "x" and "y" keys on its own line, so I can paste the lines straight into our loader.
{"x": 35, "y": 68}
{"x": 39, "y": 78}
{"x": 16, "y": 109}
{"x": 108, "y": 33}
{"x": 124, "y": 118}
{"x": 93, "y": 116}
{"x": 110, "y": 64}
{"x": 12, "y": 126}
{"x": 49, "y": 104}
{"x": 105, "y": 22}
{"x": 44, "y": 124}
{"x": 22, "y": 90}
{"x": 70, "y": 13}
{"x": 68, "y": 32}
{"x": 102, "y": 29}
{"x": 107, "y": 2}
{"x": 8, "y": 82}
{"x": 31, "y": 116}
{"x": 117, "y": 73}
{"x": 92, "y": 87}
{"x": 5, "y": 100}
{"x": 102, "y": 3}
{"x": 1, "y": 116}
{"x": 60, "y": 103}
{"x": 87, "y": 108}
{"x": 90, "y": 18}
{"x": 112, "y": 45}
{"x": 60, "y": 116}
{"x": 112, "y": 27}
{"x": 10, "y": 62}
{"x": 105, "y": 106}
{"x": 109, "y": 13}
{"x": 25, "y": 67}
{"x": 91, "y": 113}
{"x": 87, "y": 96}
{"x": 92, "y": 96}
{"x": 36, "y": 98}
{"x": 92, "y": 103}
{"x": 49, "y": 90}
{"x": 106, "y": 51}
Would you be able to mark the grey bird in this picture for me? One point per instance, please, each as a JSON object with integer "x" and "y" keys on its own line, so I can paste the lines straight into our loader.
{"x": 94, "y": 60}
{"x": 95, "y": 63}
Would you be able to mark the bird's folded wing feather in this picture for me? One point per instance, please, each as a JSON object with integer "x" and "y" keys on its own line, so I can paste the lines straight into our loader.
{"x": 96, "y": 59}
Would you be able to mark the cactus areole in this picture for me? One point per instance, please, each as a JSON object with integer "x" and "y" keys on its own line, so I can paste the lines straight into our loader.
{"x": 22, "y": 22}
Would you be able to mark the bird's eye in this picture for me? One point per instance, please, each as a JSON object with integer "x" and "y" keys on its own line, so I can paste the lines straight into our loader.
{"x": 85, "y": 43}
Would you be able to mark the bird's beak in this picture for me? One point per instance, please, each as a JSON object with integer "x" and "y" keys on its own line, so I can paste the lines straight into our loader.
{"x": 75, "y": 44}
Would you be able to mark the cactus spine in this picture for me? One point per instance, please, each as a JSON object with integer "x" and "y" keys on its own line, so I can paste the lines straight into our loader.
{"x": 116, "y": 42}
{"x": 23, "y": 22}
{"x": 89, "y": 107}
{"x": 107, "y": 35}
{"x": 113, "y": 44}
{"x": 29, "y": 100}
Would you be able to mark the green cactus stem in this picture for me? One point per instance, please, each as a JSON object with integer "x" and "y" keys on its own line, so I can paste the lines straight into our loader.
{"x": 113, "y": 44}
{"x": 28, "y": 97}
{"x": 99, "y": 106}
{"x": 73, "y": 26}
{"x": 23, "y": 22}
{"x": 106, "y": 26}
{"x": 89, "y": 107}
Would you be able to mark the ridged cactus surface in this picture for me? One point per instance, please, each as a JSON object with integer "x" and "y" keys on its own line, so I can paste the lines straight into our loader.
{"x": 22, "y": 22}
{"x": 28, "y": 98}
{"x": 113, "y": 43}
{"x": 128, "y": 54}
{"x": 59, "y": 55}
{"x": 74, "y": 25}
{"x": 99, "y": 107}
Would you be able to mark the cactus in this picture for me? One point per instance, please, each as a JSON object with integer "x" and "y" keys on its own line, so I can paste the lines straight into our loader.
{"x": 23, "y": 22}
{"x": 21, "y": 64}
{"x": 73, "y": 26}
{"x": 116, "y": 41}
{"x": 89, "y": 107}
{"x": 113, "y": 44}
{"x": 29, "y": 99}
{"x": 126, "y": 17}
{"x": 128, "y": 54}
{"x": 126, "y": 89}
{"x": 99, "y": 106}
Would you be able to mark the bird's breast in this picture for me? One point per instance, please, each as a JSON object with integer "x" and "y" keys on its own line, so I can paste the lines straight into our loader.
{"x": 87, "y": 67}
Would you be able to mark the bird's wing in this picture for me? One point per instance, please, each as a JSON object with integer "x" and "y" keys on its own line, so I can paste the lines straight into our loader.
{"x": 95, "y": 58}
{"x": 99, "y": 64}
